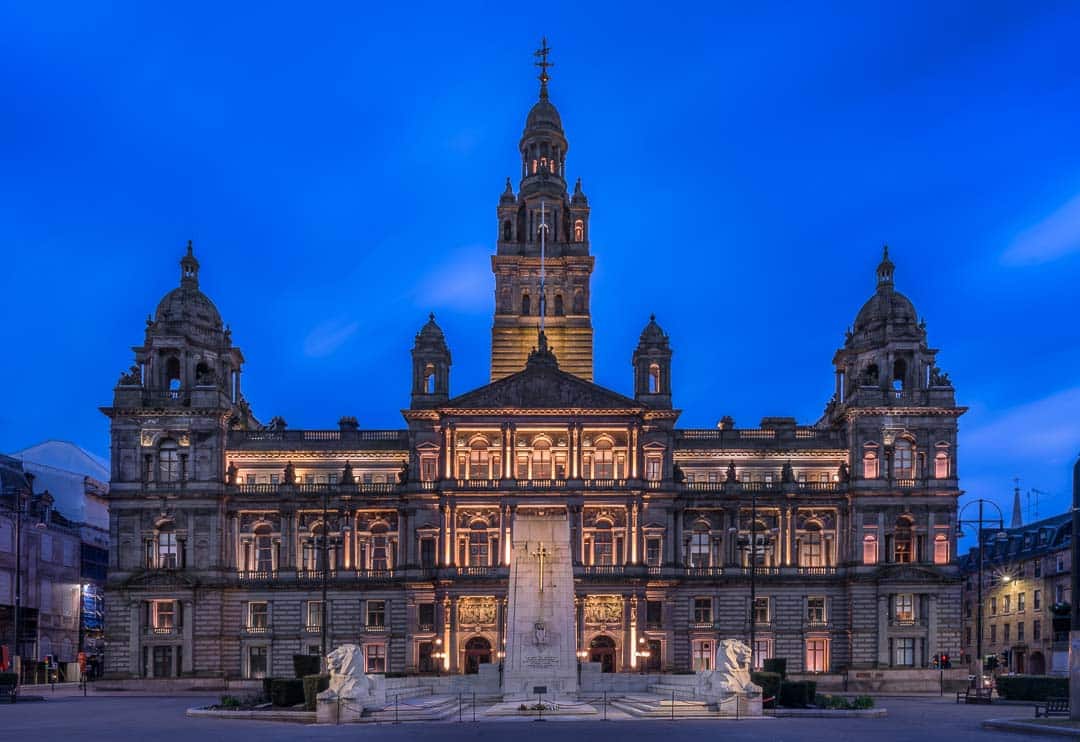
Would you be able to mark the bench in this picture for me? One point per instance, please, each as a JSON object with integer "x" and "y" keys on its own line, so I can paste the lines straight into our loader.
{"x": 973, "y": 695}
{"x": 1052, "y": 707}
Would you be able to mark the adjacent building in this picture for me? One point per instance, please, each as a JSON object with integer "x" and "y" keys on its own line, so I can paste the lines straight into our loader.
{"x": 1026, "y": 585}
{"x": 219, "y": 522}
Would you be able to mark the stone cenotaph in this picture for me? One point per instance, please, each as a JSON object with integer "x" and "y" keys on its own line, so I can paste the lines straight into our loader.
{"x": 541, "y": 646}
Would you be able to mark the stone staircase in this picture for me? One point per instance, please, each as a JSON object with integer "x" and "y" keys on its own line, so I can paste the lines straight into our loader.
{"x": 658, "y": 705}
{"x": 429, "y": 708}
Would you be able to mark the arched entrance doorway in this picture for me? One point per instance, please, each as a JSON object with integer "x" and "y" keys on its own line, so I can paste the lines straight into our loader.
{"x": 477, "y": 652}
{"x": 1037, "y": 663}
{"x": 602, "y": 650}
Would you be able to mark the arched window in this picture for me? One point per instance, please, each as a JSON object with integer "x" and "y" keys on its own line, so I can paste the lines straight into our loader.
{"x": 903, "y": 542}
{"x": 603, "y": 544}
{"x": 429, "y": 378}
{"x": 699, "y": 547}
{"x": 899, "y": 376}
{"x": 172, "y": 376}
{"x": 526, "y": 304}
{"x": 871, "y": 376}
{"x": 479, "y": 554}
{"x": 380, "y": 552}
{"x": 167, "y": 554}
{"x": 558, "y": 305}
{"x": 541, "y": 459}
{"x": 869, "y": 549}
{"x": 903, "y": 459}
{"x": 168, "y": 461}
{"x": 941, "y": 463}
{"x": 654, "y": 378}
{"x": 604, "y": 460}
{"x": 264, "y": 549}
{"x": 870, "y": 462}
{"x": 478, "y": 459}
{"x": 941, "y": 549}
{"x": 811, "y": 546}
{"x": 507, "y": 230}
{"x": 579, "y": 230}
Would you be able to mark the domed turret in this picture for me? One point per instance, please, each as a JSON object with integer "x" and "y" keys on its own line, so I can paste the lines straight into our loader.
{"x": 886, "y": 314}
{"x": 652, "y": 366}
{"x": 431, "y": 366}
{"x": 186, "y": 304}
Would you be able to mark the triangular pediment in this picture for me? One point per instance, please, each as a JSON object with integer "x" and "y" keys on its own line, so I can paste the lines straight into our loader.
{"x": 543, "y": 387}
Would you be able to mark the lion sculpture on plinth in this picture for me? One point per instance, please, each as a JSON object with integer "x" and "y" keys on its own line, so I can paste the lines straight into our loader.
{"x": 732, "y": 673}
{"x": 347, "y": 679}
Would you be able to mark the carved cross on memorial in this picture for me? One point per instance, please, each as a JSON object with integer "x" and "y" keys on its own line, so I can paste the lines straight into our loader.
{"x": 541, "y": 553}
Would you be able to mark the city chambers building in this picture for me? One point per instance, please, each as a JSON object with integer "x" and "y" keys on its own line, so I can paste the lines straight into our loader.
{"x": 228, "y": 532}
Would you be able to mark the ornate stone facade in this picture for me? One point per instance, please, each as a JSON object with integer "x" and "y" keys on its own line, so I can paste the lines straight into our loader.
{"x": 847, "y": 524}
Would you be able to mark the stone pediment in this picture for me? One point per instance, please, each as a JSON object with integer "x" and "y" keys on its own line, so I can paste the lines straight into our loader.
{"x": 543, "y": 387}
{"x": 162, "y": 579}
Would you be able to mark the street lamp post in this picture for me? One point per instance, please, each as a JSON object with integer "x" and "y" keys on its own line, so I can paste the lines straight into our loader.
{"x": 750, "y": 545}
{"x": 1074, "y": 578}
{"x": 979, "y": 523}
{"x": 325, "y": 568}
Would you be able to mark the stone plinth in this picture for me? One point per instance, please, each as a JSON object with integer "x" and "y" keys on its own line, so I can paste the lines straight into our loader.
{"x": 541, "y": 645}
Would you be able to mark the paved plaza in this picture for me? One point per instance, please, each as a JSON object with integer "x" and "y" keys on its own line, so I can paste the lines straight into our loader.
{"x": 140, "y": 717}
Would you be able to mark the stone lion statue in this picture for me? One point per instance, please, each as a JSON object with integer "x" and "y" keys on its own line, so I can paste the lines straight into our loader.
{"x": 732, "y": 673}
{"x": 347, "y": 679}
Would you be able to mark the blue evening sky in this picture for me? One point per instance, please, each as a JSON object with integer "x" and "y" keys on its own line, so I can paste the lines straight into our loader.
{"x": 338, "y": 167}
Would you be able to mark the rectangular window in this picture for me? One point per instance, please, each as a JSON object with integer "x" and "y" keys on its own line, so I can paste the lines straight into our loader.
{"x": 993, "y": 632}
{"x": 703, "y": 610}
{"x": 762, "y": 652}
{"x": 314, "y": 621}
{"x": 257, "y": 662}
{"x": 702, "y": 655}
{"x": 164, "y": 616}
{"x": 869, "y": 550}
{"x": 905, "y": 652}
{"x": 424, "y": 661}
{"x": 1036, "y": 600}
{"x": 815, "y": 610}
{"x": 1020, "y": 631}
{"x": 1038, "y": 567}
{"x": 1036, "y": 630}
{"x": 163, "y": 662}
{"x": 1059, "y": 593}
{"x": 941, "y": 549}
{"x": 761, "y": 611}
{"x": 653, "y": 614}
{"x": 652, "y": 552}
{"x": 652, "y": 468}
{"x": 166, "y": 550}
{"x": 375, "y": 655}
{"x": 817, "y": 655}
{"x": 1006, "y": 604}
{"x": 427, "y": 552}
{"x": 1020, "y": 602}
{"x": 993, "y": 606}
{"x": 905, "y": 608}
{"x": 258, "y": 616}
{"x": 426, "y": 616}
{"x": 376, "y": 614}
{"x": 1005, "y": 633}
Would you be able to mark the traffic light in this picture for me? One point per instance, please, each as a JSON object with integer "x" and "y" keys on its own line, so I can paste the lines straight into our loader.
{"x": 946, "y": 663}
{"x": 936, "y": 662}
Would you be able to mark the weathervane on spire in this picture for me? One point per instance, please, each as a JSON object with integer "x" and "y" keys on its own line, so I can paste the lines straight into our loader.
{"x": 541, "y": 55}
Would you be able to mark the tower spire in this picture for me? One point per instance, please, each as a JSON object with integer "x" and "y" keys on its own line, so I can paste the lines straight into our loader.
{"x": 1017, "y": 513}
{"x": 542, "y": 62}
{"x": 189, "y": 268}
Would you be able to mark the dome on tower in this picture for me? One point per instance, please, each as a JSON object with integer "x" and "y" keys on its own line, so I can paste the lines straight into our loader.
{"x": 187, "y": 304}
{"x": 544, "y": 115}
{"x": 653, "y": 334}
{"x": 430, "y": 333}
{"x": 886, "y": 308}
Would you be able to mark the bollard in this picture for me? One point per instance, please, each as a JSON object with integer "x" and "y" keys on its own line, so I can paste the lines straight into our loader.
{"x": 474, "y": 706}
{"x": 459, "y": 707}
{"x": 673, "y": 705}
{"x": 605, "y": 705}
{"x": 396, "y": 697}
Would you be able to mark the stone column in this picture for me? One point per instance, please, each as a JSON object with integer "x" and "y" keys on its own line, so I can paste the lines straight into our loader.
{"x": 188, "y": 640}
{"x": 453, "y": 536}
{"x": 883, "y": 630}
{"x": 633, "y": 438}
{"x": 635, "y": 534}
{"x": 512, "y": 458}
{"x": 931, "y": 624}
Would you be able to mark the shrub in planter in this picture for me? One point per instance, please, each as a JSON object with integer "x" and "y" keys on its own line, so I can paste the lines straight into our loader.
{"x": 777, "y": 665}
{"x": 863, "y": 702}
{"x": 811, "y": 692}
{"x": 306, "y": 664}
{"x": 266, "y": 688}
{"x": 313, "y": 686}
{"x": 229, "y": 702}
{"x": 794, "y": 694}
{"x": 770, "y": 686}
{"x": 286, "y": 692}
{"x": 1032, "y": 687}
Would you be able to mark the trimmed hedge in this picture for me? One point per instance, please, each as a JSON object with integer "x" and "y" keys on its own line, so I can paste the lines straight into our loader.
{"x": 770, "y": 686}
{"x": 777, "y": 665}
{"x": 797, "y": 694}
{"x": 845, "y": 704}
{"x": 286, "y": 692}
{"x": 1031, "y": 687}
{"x": 306, "y": 664}
{"x": 313, "y": 686}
